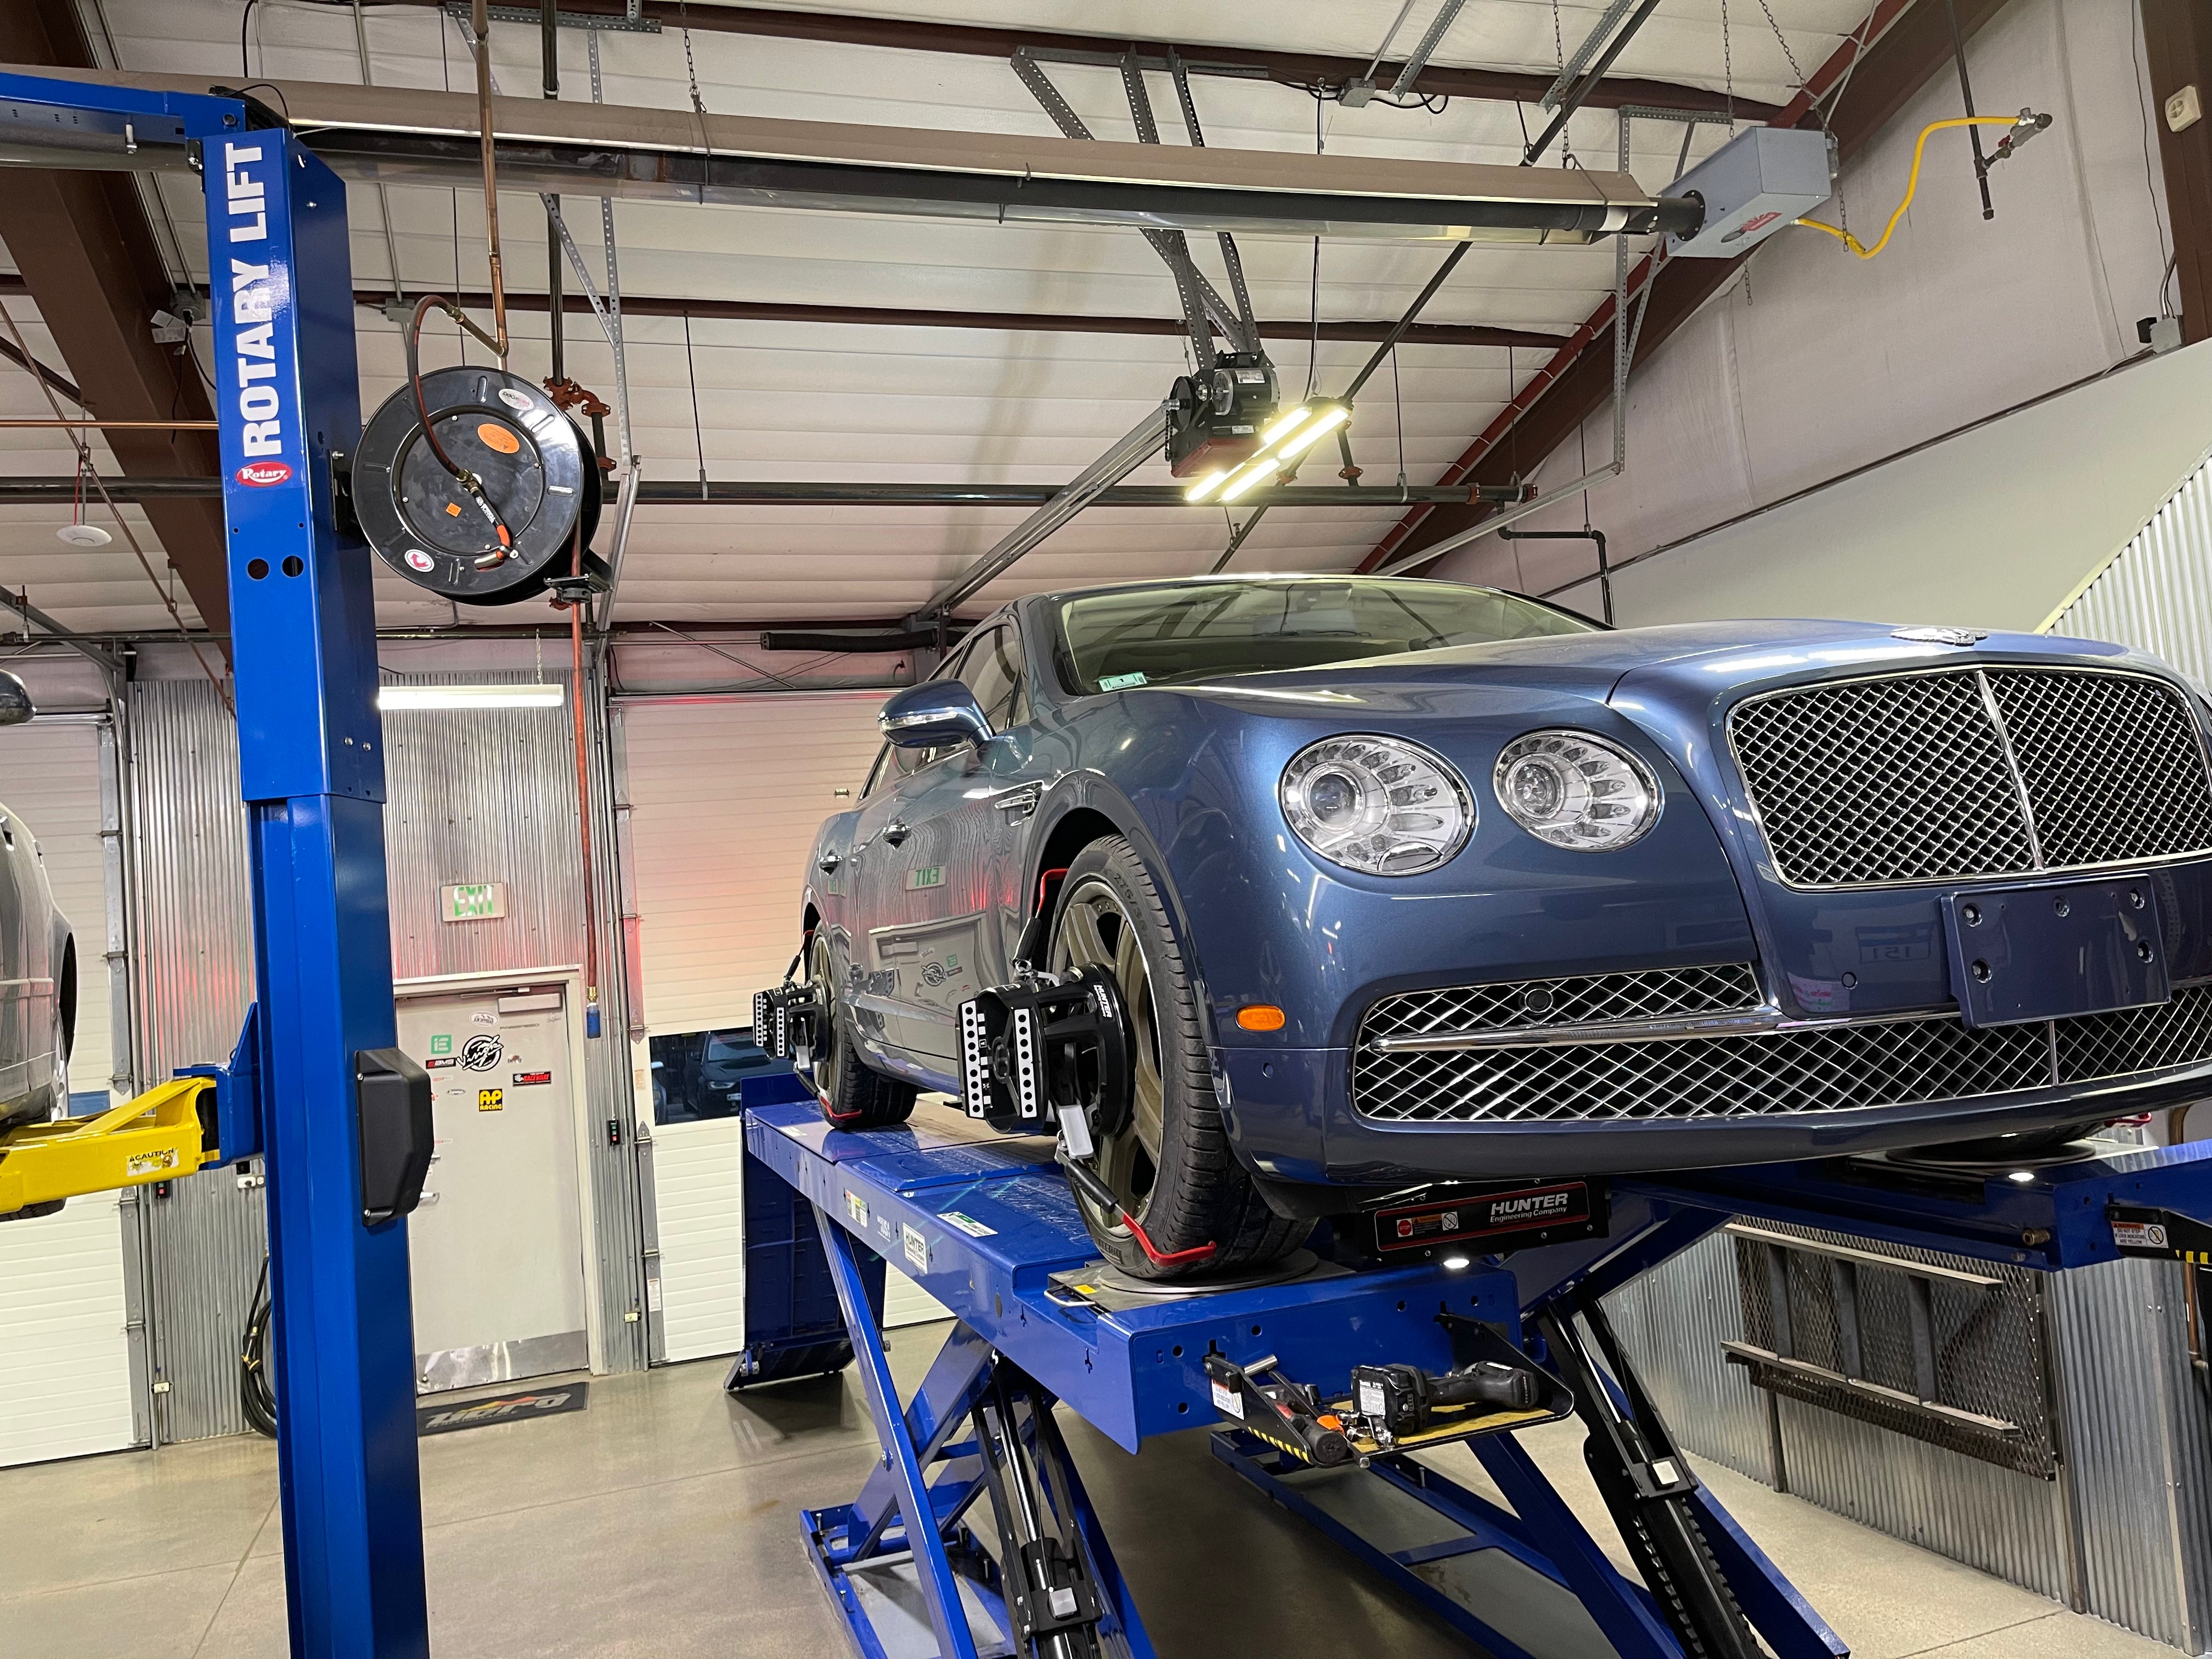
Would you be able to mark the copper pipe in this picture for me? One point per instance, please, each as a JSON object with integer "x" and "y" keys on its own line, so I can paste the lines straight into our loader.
{"x": 479, "y": 18}
{"x": 153, "y": 426}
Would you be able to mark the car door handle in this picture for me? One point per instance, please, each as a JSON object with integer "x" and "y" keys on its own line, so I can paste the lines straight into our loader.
{"x": 828, "y": 863}
{"x": 896, "y": 831}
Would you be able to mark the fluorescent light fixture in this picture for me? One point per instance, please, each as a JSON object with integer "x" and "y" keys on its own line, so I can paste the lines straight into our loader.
{"x": 415, "y": 697}
{"x": 1252, "y": 471}
{"x": 1453, "y": 1263}
{"x": 1291, "y": 435}
{"x": 1326, "y": 422}
{"x": 2023, "y": 1176}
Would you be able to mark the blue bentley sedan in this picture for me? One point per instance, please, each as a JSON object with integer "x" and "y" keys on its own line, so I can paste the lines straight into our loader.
{"x": 1397, "y": 882}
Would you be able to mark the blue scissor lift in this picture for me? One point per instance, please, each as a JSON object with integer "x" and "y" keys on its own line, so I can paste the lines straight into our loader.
{"x": 989, "y": 1227}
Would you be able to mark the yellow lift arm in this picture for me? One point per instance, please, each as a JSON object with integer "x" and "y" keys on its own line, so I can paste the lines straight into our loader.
{"x": 168, "y": 1132}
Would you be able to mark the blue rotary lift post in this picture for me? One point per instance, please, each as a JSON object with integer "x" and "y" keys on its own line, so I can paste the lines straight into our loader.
{"x": 311, "y": 756}
{"x": 312, "y": 759}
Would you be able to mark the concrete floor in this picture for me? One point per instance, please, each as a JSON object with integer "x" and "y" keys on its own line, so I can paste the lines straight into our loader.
{"x": 661, "y": 1522}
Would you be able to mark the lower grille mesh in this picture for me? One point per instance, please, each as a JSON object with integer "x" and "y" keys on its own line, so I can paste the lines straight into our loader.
{"x": 1839, "y": 1068}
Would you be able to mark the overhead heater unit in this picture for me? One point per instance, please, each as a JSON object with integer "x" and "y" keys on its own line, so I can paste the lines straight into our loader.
{"x": 1759, "y": 182}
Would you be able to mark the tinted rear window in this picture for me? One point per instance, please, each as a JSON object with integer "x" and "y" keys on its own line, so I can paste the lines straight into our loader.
{"x": 1130, "y": 636}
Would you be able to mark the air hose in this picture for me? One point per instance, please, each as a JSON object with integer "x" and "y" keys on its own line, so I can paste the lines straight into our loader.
{"x": 255, "y": 1395}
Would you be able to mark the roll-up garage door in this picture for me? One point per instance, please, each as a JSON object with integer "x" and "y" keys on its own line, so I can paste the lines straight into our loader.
{"x": 65, "y": 1356}
{"x": 725, "y": 795}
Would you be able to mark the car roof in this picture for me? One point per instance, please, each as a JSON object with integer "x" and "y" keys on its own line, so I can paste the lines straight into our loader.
{"x": 1252, "y": 577}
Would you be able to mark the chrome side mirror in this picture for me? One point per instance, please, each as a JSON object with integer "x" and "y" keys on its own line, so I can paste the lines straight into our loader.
{"x": 16, "y": 706}
{"x": 932, "y": 715}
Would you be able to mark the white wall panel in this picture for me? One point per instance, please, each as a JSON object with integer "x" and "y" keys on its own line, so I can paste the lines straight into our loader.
{"x": 64, "y": 1362}
{"x": 50, "y": 780}
{"x": 64, "y": 1359}
{"x": 1814, "y": 363}
{"x": 698, "y": 1182}
{"x": 725, "y": 796}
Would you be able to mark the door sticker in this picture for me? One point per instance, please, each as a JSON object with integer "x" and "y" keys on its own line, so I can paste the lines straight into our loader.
{"x": 481, "y": 1052}
{"x": 491, "y": 1100}
{"x": 442, "y": 1043}
{"x": 526, "y": 1079}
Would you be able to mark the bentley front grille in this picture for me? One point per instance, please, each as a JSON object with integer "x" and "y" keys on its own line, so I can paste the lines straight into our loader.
{"x": 1525, "y": 1075}
{"x": 1968, "y": 772}
{"x": 1585, "y": 1000}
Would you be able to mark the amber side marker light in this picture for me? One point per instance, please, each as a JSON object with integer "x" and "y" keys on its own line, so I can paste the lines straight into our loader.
{"x": 1260, "y": 1017}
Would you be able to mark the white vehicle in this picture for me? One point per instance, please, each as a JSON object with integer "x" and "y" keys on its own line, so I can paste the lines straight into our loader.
{"x": 38, "y": 964}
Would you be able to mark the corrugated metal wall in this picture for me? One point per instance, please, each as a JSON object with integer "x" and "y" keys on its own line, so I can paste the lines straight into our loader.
{"x": 2156, "y": 594}
{"x": 2135, "y": 1417}
{"x": 192, "y": 925}
{"x": 2134, "y": 1409}
{"x": 1672, "y": 1321}
{"x": 481, "y": 796}
{"x": 2125, "y": 1533}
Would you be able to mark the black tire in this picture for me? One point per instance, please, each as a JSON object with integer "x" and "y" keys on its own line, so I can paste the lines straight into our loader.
{"x": 1172, "y": 1167}
{"x": 852, "y": 1095}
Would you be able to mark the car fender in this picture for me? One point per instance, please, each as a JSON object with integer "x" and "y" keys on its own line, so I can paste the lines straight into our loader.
{"x": 1091, "y": 790}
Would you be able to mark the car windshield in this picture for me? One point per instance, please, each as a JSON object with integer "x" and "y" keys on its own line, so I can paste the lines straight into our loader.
{"x": 1129, "y": 636}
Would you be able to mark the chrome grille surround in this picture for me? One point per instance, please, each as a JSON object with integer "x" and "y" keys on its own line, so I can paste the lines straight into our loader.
{"x": 1583, "y": 999}
{"x": 1964, "y": 774}
{"x": 1844, "y": 1067}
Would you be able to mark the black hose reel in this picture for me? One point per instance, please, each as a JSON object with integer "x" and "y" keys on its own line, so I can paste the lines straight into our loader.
{"x": 535, "y": 470}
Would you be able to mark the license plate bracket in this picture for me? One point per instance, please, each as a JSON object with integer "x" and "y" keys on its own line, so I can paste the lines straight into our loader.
{"x": 2037, "y": 950}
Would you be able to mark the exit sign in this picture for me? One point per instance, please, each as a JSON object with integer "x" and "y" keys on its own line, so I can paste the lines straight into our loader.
{"x": 474, "y": 901}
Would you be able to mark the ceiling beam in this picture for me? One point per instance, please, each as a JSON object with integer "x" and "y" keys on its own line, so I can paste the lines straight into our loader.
{"x": 87, "y": 252}
{"x": 1289, "y": 69}
{"x": 416, "y": 136}
{"x": 1016, "y": 322}
{"x": 61, "y": 488}
{"x": 1012, "y": 322}
{"x": 2177, "y": 41}
{"x": 1907, "y": 44}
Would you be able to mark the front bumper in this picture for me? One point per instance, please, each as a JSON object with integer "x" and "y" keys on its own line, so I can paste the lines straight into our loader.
{"x": 1289, "y": 1117}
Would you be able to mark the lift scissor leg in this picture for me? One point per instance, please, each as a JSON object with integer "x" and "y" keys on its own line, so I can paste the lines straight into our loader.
{"x": 901, "y": 1562}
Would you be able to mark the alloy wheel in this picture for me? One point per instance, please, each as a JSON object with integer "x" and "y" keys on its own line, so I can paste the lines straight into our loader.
{"x": 829, "y": 1055}
{"x": 1094, "y": 930}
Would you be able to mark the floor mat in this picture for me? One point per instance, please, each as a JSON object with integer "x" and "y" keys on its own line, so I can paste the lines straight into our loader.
{"x": 503, "y": 1408}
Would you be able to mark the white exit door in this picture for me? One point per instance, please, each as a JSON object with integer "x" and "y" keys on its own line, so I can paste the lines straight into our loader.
{"x": 497, "y": 1254}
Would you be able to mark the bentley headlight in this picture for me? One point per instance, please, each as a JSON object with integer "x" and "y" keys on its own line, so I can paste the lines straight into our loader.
{"x": 1577, "y": 790}
{"x": 1380, "y": 804}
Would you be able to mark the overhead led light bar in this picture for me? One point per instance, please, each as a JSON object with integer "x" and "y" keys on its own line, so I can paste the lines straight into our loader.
{"x": 1289, "y": 436}
{"x": 416, "y": 698}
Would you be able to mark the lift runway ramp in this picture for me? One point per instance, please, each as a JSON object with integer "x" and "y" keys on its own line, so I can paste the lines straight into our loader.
{"x": 988, "y": 1225}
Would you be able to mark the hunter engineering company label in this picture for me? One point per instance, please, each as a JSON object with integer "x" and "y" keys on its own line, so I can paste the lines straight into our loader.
{"x": 1494, "y": 1220}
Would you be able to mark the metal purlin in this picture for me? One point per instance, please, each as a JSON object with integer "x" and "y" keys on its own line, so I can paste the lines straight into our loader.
{"x": 1248, "y": 336}
{"x": 1200, "y": 302}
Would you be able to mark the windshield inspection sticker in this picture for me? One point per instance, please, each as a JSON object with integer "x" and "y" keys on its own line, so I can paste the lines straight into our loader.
{"x": 916, "y": 1243}
{"x": 968, "y": 1225}
{"x": 1119, "y": 682}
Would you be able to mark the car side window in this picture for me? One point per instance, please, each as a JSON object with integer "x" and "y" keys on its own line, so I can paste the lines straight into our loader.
{"x": 993, "y": 670}
{"x": 876, "y": 771}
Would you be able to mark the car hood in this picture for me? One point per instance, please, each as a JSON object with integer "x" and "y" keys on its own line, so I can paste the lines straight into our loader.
{"x": 1677, "y": 662}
